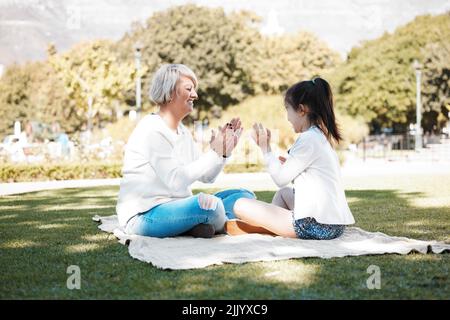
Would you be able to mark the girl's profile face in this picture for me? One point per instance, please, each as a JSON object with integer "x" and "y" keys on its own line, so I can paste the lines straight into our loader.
{"x": 295, "y": 118}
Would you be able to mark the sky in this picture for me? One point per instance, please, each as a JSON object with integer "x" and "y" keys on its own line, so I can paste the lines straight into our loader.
{"x": 26, "y": 26}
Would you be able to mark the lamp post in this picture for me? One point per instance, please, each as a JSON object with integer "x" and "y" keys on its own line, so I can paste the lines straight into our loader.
{"x": 89, "y": 128}
{"x": 137, "y": 58}
{"x": 418, "y": 141}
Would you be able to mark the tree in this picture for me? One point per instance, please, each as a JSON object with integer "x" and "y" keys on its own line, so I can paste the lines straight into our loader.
{"x": 218, "y": 48}
{"x": 14, "y": 97}
{"x": 48, "y": 99}
{"x": 285, "y": 60}
{"x": 437, "y": 85}
{"x": 378, "y": 82}
{"x": 230, "y": 57}
{"x": 91, "y": 72}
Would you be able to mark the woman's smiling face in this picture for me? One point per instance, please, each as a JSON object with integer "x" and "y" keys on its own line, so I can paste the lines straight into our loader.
{"x": 184, "y": 95}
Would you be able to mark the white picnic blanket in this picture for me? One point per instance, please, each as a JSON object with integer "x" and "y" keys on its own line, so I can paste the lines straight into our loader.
{"x": 193, "y": 253}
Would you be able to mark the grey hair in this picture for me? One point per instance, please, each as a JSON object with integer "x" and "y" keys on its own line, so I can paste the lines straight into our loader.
{"x": 165, "y": 81}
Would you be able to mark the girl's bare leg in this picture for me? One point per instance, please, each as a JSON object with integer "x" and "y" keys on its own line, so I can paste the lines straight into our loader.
{"x": 284, "y": 198}
{"x": 268, "y": 216}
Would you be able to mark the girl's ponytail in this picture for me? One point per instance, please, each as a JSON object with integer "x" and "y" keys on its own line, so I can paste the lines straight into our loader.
{"x": 325, "y": 109}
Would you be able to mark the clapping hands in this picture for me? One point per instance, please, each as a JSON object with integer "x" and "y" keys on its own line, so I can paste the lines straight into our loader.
{"x": 224, "y": 140}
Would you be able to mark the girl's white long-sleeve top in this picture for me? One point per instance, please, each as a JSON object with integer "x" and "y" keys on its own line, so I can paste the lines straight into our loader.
{"x": 313, "y": 167}
{"x": 159, "y": 166}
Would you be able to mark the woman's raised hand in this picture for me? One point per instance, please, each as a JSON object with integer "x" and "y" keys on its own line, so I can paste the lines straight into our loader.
{"x": 225, "y": 140}
{"x": 262, "y": 137}
{"x": 234, "y": 124}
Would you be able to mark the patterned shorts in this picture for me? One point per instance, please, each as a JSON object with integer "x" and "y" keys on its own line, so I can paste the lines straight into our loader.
{"x": 310, "y": 229}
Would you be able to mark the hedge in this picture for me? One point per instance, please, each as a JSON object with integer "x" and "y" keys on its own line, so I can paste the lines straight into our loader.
{"x": 64, "y": 171}
{"x": 73, "y": 171}
{"x": 70, "y": 171}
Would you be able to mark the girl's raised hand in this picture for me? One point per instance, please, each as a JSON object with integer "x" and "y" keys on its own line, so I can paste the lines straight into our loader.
{"x": 261, "y": 136}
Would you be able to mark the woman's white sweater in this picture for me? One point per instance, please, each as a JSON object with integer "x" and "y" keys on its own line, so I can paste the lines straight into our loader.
{"x": 160, "y": 166}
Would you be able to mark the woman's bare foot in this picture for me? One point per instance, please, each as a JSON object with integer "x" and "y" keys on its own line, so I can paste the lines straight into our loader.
{"x": 236, "y": 227}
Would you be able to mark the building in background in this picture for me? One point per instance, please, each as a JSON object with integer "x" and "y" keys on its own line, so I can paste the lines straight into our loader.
{"x": 272, "y": 26}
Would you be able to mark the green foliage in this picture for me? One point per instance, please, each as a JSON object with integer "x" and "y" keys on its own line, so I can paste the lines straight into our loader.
{"x": 233, "y": 62}
{"x": 287, "y": 59}
{"x": 378, "y": 82}
{"x": 14, "y": 97}
{"x": 436, "y": 91}
{"x": 32, "y": 92}
{"x": 353, "y": 129}
{"x": 93, "y": 71}
{"x": 230, "y": 57}
{"x": 60, "y": 171}
{"x": 218, "y": 47}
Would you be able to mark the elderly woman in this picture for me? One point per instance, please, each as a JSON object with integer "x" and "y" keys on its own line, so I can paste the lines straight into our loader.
{"x": 161, "y": 162}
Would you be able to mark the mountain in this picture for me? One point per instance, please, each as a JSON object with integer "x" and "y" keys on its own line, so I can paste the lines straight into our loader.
{"x": 27, "y": 26}
{"x": 26, "y": 29}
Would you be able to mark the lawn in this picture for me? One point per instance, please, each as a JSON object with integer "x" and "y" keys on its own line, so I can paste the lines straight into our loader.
{"x": 42, "y": 233}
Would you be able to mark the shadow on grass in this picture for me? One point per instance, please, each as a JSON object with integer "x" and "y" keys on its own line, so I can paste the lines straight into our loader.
{"x": 45, "y": 232}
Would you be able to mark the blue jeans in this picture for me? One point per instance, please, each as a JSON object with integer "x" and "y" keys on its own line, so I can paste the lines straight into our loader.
{"x": 176, "y": 217}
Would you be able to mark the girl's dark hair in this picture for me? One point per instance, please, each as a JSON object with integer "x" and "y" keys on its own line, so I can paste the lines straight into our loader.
{"x": 317, "y": 95}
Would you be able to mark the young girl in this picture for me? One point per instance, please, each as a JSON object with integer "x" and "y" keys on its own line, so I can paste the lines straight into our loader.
{"x": 316, "y": 208}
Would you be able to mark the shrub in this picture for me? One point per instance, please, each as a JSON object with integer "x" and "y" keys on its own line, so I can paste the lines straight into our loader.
{"x": 63, "y": 171}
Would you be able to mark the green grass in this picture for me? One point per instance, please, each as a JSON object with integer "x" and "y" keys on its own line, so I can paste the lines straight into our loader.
{"x": 42, "y": 233}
